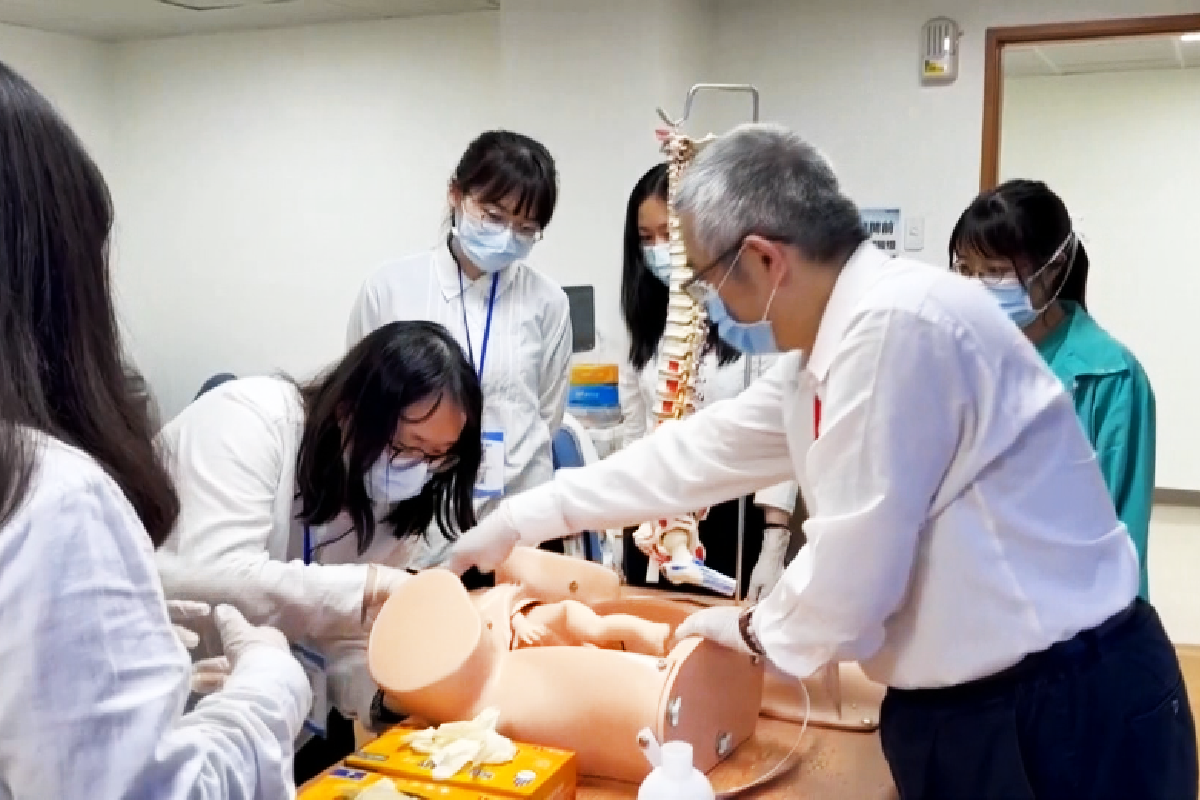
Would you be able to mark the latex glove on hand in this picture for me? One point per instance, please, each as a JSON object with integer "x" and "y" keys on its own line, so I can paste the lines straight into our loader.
{"x": 486, "y": 546}
{"x": 769, "y": 567}
{"x": 381, "y": 582}
{"x": 209, "y": 675}
{"x": 239, "y": 637}
{"x": 184, "y": 614}
{"x": 717, "y": 624}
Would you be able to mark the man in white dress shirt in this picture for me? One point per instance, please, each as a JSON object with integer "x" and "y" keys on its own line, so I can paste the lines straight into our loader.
{"x": 961, "y": 543}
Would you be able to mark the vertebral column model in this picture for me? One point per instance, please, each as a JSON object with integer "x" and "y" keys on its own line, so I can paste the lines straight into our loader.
{"x": 674, "y": 545}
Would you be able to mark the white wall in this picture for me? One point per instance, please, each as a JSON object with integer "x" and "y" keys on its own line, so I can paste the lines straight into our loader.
{"x": 1121, "y": 151}
{"x": 844, "y": 74}
{"x": 264, "y": 175}
{"x": 75, "y": 74}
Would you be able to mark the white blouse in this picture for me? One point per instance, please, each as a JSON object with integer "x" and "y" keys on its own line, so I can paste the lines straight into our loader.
{"x": 714, "y": 383}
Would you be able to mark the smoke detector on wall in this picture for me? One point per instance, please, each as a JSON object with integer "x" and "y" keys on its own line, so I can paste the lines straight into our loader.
{"x": 939, "y": 51}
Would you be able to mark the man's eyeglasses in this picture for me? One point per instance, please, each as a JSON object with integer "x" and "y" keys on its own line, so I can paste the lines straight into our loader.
{"x": 700, "y": 286}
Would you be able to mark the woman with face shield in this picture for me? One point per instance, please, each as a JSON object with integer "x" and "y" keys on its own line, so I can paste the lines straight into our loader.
{"x": 1019, "y": 242}
{"x": 303, "y": 505}
{"x": 512, "y": 321}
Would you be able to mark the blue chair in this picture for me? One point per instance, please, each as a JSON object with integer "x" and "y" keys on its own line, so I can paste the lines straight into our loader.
{"x": 214, "y": 382}
{"x": 573, "y": 447}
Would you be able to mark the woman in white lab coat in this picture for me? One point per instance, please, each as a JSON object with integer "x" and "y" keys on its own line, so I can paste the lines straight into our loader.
{"x": 512, "y": 321}
{"x": 94, "y": 678}
{"x": 311, "y": 500}
{"x": 644, "y": 282}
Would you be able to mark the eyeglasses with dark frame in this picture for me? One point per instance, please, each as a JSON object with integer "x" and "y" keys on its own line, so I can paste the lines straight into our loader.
{"x": 699, "y": 287}
{"x": 408, "y": 457}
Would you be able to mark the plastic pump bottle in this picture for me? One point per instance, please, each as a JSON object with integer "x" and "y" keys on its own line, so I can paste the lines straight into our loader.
{"x": 675, "y": 778}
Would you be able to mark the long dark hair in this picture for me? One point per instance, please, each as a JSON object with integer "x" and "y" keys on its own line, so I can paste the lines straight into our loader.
{"x": 1025, "y": 223}
{"x": 643, "y": 296}
{"x": 351, "y": 415}
{"x": 61, "y": 369}
{"x": 498, "y": 164}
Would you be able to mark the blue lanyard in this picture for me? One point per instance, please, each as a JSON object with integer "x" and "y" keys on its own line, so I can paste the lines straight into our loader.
{"x": 487, "y": 327}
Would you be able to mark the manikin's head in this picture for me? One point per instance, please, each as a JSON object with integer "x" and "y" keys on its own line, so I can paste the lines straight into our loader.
{"x": 767, "y": 231}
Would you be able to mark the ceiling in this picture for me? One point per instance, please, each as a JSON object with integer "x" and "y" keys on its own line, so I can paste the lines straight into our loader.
{"x": 116, "y": 20}
{"x": 1102, "y": 55}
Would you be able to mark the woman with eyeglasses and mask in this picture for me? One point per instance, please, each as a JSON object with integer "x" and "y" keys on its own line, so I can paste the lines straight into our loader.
{"x": 512, "y": 321}
{"x": 1019, "y": 242}
{"x": 303, "y": 505}
{"x": 95, "y": 679}
{"x": 645, "y": 278}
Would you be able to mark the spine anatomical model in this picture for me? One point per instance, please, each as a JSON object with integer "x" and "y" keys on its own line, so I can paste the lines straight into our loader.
{"x": 674, "y": 545}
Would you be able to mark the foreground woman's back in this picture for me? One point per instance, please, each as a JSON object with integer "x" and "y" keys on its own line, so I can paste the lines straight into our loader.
{"x": 93, "y": 680}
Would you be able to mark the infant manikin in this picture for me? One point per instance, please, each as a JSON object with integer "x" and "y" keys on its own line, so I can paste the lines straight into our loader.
{"x": 559, "y": 673}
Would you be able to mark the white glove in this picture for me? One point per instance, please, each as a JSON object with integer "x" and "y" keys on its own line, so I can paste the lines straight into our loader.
{"x": 486, "y": 546}
{"x": 183, "y": 615}
{"x": 769, "y": 567}
{"x": 209, "y": 675}
{"x": 381, "y": 582}
{"x": 239, "y": 637}
{"x": 717, "y": 624}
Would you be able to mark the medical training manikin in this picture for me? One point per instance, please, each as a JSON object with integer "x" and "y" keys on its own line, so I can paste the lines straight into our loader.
{"x": 555, "y": 651}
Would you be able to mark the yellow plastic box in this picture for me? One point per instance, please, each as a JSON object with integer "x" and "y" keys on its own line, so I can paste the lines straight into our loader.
{"x": 593, "y": 374}
{"x": 343, "y": 783}
{"x": 537, "y": 773}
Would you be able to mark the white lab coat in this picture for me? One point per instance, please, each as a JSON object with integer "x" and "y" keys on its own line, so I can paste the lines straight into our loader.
{"x": 527, "y": 371}
{"x": 715, "y": 382}
{"x": 232, "y": 454}
{"x": 958, "y": 520}
{"x": 94, "y": 678}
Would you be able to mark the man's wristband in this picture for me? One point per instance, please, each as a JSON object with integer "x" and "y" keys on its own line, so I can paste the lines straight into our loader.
{"x": 746, "y": 628}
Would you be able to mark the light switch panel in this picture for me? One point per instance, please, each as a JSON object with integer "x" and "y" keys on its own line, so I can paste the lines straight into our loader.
{"x": 914, "y": 233}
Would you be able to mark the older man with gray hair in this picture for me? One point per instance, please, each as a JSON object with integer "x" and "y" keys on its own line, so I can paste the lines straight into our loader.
{"x": 961, "y": 542}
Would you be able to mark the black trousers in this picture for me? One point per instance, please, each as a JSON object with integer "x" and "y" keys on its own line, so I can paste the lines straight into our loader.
{"x": 1103, "y": 716}
{"x": 318, "y": 755}
{"x": 718, "y": 534}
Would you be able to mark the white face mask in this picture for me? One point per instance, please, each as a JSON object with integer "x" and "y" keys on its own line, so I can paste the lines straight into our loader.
{"x": 388, "y": 484}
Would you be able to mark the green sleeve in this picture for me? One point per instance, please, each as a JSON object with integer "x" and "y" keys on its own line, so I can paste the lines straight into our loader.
{"x": 1125, "y": 434}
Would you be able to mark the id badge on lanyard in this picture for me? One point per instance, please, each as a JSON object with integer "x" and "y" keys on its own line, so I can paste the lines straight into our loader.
{"x": 315, "y": 666}
{"x": 490, "y": 483}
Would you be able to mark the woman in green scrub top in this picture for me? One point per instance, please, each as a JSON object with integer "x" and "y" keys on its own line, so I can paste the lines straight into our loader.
{"x": 1018, "y": 240}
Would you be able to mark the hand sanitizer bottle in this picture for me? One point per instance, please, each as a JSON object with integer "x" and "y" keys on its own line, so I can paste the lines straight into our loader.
{"x": 675, "y": 778}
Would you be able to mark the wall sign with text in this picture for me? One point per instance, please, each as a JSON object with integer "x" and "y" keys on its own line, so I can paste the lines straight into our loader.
{"x": 883, "y": 226}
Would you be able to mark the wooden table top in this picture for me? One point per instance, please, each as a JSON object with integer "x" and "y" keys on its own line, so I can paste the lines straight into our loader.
{"x": 833, "y": 765}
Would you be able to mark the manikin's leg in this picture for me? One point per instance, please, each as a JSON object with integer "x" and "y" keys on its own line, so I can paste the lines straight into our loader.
{"x": 578, "y": 624}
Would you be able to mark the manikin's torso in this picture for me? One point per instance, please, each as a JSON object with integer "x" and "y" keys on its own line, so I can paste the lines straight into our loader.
{"x": 444, "y": 655}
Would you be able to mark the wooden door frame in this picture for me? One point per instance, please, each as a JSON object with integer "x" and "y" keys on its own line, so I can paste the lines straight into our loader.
{"x": 999, "y": 38}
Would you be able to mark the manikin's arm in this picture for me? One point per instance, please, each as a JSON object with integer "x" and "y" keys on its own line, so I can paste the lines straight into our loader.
{"x": 573, "y": 623}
